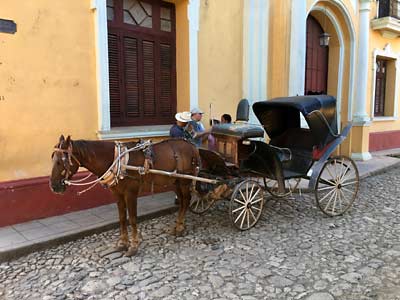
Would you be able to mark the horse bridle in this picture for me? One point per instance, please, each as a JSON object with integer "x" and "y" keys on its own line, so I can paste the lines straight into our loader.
{"x": 67, "y": 160}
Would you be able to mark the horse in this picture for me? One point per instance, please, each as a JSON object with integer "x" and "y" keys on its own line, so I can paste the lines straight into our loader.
{"x": 97, "y": 156}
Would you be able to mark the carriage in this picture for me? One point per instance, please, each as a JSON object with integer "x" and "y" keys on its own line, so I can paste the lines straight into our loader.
{"x": 240, "y": 168}
{"x": 243, "y": 166}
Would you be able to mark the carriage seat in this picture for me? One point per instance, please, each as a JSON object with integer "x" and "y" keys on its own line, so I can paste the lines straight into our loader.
{"x": 240, "y": 131}
{"x": 284, "y": 154}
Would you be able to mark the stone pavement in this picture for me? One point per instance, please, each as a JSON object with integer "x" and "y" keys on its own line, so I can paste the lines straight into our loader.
{"x": 31, "y": 236}
{"x": 294, "y": 252}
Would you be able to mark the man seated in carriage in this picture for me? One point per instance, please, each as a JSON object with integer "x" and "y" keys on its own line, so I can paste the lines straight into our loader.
{"x": 181, "y": 128}
{"x": 200, "y": 134}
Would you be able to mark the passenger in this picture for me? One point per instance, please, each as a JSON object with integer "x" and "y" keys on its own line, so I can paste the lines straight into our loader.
{"x": 226, "y": 119}
{"x": 180, "y": 129}
{"x": 199, "y": 131}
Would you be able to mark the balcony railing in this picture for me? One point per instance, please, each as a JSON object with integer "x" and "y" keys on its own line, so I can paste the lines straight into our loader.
{"x": 388, "y": 20}
{"x": 389, "y": 8}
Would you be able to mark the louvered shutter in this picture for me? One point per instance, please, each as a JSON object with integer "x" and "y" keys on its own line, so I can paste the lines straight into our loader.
{"x": 149, "y": 81}
{"x": 142, "y": 63}
{"x": 166, "y": 80}
{"x": 131, "y": 77}
{"x": 114, "y": 78}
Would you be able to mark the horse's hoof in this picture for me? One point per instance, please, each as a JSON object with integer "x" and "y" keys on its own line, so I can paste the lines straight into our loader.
{"x": 131, "y": 252}
{"x": 179, "y": 233}
{"x": 121, "y": 245}
{"x": 121, "y": 248}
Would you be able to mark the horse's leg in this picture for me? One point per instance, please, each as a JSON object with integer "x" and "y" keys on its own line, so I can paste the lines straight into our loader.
{"x": 131, "y": 201}
{"x": 123, "y": 241}
{"x": 183, "y": 192}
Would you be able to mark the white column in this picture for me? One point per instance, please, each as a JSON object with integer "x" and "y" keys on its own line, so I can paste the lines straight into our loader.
{"x": 193, "y": 17}
{"x": 298, "y": 48}
{"x": 99, "y": 8}
{"x": 360, "y": 116}
{"x": 255, "y": 51}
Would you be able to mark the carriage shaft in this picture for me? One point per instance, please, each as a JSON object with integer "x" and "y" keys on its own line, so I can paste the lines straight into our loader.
{"x": 172, "y": 174}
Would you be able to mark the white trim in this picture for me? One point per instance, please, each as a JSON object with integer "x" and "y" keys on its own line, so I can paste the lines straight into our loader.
{"x": 384, "y": 119}
{"x": 343, "y": 9}
{"x": 339, "y": 32}
{"x": 298, "y": 41}
{"x": 99, "y": 8}
{"x": 134, "y": 132}
{"x": 255, "y": 51}
{"x": 361, "y": 156}
{"x": 193, "y": 13}
{"x": 360, "y": 115}
{"x": 298, "y": 46}
{"x": 389, "y": 53}
{"x": 105, "y": 131}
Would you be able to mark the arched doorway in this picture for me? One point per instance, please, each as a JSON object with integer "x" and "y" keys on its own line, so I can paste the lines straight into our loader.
{"x": 317, "y": 57}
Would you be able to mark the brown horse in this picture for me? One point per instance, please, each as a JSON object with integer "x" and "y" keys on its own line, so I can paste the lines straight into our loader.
{"x": 97, "y": 156}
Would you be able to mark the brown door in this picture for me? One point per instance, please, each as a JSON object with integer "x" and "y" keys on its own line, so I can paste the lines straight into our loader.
{"x": 316, "y": 60}
{"x": 141, "y": 47}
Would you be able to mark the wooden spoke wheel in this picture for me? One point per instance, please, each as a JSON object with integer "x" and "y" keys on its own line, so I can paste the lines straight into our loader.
{"x": 337, "y": 186}
{"x": 199, "y": 204}
{"x": 290, "y": 186}
{"x": 246, "y": 205}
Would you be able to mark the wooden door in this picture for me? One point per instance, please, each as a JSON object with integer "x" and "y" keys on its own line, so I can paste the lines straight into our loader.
{"x": 142, "y": 68}
{"x": 316, "y": 82}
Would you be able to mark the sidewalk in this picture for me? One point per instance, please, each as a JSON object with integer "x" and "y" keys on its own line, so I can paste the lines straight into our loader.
{"x": 21, "y": 239}
{"x": 24, "y": 238}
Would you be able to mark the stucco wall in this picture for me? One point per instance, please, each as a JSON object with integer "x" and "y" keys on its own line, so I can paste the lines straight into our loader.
{"x": 379, "y": 42}
{"x": 48, "y": 82}
{"x": 220, "y": 56}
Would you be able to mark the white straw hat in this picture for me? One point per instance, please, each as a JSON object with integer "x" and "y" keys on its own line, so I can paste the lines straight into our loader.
{"x": 196, "y": 110}
{"x": 184, "y": 116}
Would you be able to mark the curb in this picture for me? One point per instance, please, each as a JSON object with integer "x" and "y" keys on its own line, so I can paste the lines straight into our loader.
{"x": 381, "y": 170}
{"x": 17, "y": 252}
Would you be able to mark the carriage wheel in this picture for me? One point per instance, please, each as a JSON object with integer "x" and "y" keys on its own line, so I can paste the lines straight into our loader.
{"x": 199, "y": 204}
{"x": 290, "y": 186}
{"x": 337, "y": 186}
{"x": 246, "y": 205}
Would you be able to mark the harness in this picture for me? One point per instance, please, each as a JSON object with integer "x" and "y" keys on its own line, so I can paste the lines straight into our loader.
{"x": 117, "y": 170}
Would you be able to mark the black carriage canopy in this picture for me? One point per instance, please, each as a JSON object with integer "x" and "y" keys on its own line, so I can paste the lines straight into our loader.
{"x": 281, "y": 120}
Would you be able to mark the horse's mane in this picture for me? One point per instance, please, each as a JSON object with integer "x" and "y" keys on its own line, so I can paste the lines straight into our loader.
{"x": 81, "y": 146}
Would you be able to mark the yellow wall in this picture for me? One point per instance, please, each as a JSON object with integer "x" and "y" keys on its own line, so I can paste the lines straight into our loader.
{"x": 220, "y": 56}
{"x": 182, "y": 54}
{"x": 377, "y": 41}
{"x": 279, "y": 57}
{"x": 48, "y": 82}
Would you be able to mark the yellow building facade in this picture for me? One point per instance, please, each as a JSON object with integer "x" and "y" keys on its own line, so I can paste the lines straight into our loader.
{"x": 60, "y": 74}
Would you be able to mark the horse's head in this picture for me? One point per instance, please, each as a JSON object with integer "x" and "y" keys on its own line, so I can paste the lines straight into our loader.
{"x": 65, "y": 165}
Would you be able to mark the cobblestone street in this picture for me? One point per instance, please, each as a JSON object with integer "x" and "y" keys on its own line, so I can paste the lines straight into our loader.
{"x": 294, "y": 252}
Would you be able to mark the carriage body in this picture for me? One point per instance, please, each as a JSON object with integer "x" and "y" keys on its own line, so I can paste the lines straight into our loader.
{"x": 293, "y": 151}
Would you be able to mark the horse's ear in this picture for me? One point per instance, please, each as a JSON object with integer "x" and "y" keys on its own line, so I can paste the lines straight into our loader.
{"x": 62, "y": 138}
{"x": 68, "y": 141}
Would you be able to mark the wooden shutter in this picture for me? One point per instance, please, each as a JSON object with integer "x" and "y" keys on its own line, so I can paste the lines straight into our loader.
{"x": 131, "y": 76}
{"x": 380, "y": 87}
{"x": 166, "y": 80}
{"x": 149, "y": 101}
{"x": 316, "y": 60}
{"x": 114, "y": 77}
{"x": 142, "y": 62}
